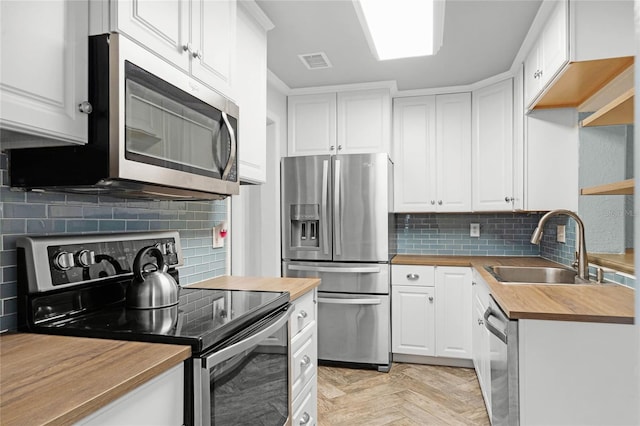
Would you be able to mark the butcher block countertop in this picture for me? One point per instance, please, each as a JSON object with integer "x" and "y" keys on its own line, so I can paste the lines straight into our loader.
{"x": 295, "y": 286}
{"x": 607, "y": 303}
{"x": 47, "y": 380}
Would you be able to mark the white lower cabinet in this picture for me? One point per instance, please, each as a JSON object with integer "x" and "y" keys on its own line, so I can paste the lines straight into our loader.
{"x": 158, "y": 402}
{"x": 431, "y": 311}
{"x": 304, "y": 361}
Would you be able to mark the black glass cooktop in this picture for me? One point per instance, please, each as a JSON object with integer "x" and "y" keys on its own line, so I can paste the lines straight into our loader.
{"x": 202, "y": 318}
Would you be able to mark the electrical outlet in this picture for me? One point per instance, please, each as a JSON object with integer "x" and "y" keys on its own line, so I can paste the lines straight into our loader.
{"x": 561, "y": 235}
{"x": 219, "y": 233}
{"x": 474, "y": 230}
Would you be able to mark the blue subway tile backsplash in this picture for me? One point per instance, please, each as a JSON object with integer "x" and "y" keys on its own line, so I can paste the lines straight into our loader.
{"x": 36, "y": 213}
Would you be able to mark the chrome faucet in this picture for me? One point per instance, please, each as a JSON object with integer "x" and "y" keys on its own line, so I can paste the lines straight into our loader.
{"x": 583, "y": 263}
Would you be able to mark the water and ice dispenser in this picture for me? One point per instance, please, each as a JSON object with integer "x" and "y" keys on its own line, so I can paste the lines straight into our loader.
{"x": 305, "y": 225}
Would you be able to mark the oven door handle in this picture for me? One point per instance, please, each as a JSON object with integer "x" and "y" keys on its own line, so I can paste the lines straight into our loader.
{"x": 252, "y": 340}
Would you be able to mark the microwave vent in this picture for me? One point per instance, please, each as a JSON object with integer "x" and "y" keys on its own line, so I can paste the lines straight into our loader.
{"x": 315, "y": 61}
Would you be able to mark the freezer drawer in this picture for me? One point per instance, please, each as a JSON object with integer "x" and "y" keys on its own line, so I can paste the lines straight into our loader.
{"x": 354, "y": 328}
{"x": 370, "y": 278}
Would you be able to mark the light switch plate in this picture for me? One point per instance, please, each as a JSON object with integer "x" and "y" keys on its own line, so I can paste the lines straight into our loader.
{"x": 561, "y": 235}
{"x": 474, "y": 230}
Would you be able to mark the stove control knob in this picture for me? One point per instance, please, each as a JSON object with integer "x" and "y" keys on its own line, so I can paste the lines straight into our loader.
{"x": 86, "y": 258}
{"x": 162, "y": 247}
{"x": 171, "y": 248}
{"x": 64, "y": 260}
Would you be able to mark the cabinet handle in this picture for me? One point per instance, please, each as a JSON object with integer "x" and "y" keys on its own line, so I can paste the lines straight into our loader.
{"x": 339, "y": 147}
{"x": 187, "y": 48}
{"x": 439, "y": 202}
{"x": 332, "y": 147}
{"x": 302, "y": 315}
{"x": 197, "y": 54}
{"x": 305, "y": 418}
{"x": 85, "y": 107}
{"x": 431, "y": 299}
{"x": 433, "y": 202}
{"x": 473, "y": 283}
{"x": 508, "y": 199}
{"x": 413, "y": 277}
{"x": 305, "y": 361}
{"x": 480, "y": 322}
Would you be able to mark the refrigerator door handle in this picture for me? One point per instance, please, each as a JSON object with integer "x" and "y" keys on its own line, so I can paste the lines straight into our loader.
{"x": 338, "y": 269}
{"x": 349, "y": 301}
{"x": 325, "y": 207}
{"x": 336, "y": 209}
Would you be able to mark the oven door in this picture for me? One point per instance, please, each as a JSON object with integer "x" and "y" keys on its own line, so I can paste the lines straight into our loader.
{"x": 246, "y": 382}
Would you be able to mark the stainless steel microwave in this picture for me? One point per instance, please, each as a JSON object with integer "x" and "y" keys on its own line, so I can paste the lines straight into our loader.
{"x": 154, "y": 132}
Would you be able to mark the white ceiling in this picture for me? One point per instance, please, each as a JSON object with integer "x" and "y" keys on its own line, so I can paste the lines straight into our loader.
{"x": 481, "y": 39}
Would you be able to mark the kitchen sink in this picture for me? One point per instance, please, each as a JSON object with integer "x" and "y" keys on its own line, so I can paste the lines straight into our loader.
{"x": 535, "y": 275}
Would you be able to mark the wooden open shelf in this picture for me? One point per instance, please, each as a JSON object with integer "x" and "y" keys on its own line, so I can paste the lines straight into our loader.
{"x": 581, "y": 80}
{"x": 625, "y": 187}
{"x": 618, "y": 111}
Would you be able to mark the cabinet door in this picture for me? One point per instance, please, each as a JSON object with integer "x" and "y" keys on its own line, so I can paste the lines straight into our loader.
{"x": 159, "y": 25}
{"x": 414, "y": 129}
{"x": 492, "y": 140}
{"x": 43, "y": 70}
{"x": 532, "y": 69}
{"x": 364, "y": 122}
{"x": 412, "y": 319}
{"x": 554, "y": 50}
{"x": 453, "y": 152}
{"x": 481, "y": 353}
{"x": 251, "y": 91}
{"x": 311, "y": 124}
{"x": 213, "y": 42}
{"x": 453, "y": 312}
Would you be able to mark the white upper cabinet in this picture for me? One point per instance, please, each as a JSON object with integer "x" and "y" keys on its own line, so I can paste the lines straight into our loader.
{"x": 432, "y": 158}
{"x": 161, "y": 26}
{"x": 580, "y": 47}
{"x": 364, "y": 121}
{"x": 453, "y": 149}
{"x": 492, "y": 140}
{"x": 198, "y": 36}
{"x": 549, "y": 53}
{"x": 311, "y": 124}
{"x": 350, "y": 122}
{"x": 414, "y": 173}
{"x": 43, "y": 72}
{"x": 250, "y": 86}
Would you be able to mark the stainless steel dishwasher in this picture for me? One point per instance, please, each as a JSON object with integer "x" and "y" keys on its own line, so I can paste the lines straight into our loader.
{"x": 505, "y": 403}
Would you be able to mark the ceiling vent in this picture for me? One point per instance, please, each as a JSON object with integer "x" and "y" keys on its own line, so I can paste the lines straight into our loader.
{"x": 315, "y": 61}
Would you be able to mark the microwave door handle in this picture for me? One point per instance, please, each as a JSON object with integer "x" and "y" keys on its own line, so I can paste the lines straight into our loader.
{"x": 249, "y": 342}
{"x": 233, "y": 148}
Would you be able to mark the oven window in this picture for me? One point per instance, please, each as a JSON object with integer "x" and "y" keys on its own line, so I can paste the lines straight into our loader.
{"x": 252, "y": 388}
{"x": 170, "y": 128}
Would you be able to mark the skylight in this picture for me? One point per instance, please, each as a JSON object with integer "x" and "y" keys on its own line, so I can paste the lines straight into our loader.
{"x": 401, "y": 28}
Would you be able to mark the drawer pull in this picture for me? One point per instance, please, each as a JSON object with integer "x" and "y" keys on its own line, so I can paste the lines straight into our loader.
{"x": 431, "y": 299}
{"x": 302, "y": 315}
{"x": 305, "y": 418}
{"x": 305, "y": 361}
{"x": 413, "y": 277}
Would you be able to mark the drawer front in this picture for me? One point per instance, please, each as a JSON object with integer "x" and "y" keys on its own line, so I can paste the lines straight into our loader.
{"x": 305, "y": 406}
{"x": 304, "y": 313}
{"x": 304, "y": 358}
{"x": 413, "y": 275}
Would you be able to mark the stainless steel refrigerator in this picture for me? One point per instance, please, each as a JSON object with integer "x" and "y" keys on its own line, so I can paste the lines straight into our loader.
{"x": 337, "y": 224}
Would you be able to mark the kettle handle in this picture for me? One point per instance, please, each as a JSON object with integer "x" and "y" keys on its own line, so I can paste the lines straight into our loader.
{"x": 137, "y": 263}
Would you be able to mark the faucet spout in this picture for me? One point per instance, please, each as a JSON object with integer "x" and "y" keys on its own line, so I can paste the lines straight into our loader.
{"x": 583, "y": 263}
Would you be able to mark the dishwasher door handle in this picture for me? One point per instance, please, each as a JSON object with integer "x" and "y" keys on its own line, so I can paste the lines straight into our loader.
{"x": 492, "y": 328}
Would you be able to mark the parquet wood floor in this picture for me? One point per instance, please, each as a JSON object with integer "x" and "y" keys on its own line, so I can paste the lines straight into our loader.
{"x": 409, "y": 395}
